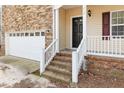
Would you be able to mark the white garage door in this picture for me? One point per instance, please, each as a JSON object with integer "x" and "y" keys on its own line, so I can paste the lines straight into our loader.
{"x": 25, "y": 44}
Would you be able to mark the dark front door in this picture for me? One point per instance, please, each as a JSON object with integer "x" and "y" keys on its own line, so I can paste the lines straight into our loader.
{"x": 77, "y": 31}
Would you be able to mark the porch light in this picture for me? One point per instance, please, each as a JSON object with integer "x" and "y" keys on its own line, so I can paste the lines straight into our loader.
{"x": 89, "y": 13}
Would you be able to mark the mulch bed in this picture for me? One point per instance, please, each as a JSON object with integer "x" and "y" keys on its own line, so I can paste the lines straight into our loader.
{"x": 89, "y": 80}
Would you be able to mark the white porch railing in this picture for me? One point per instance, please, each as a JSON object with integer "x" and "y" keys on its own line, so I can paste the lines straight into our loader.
{"x": 78, "y": 60}
{"x": 47, "y": 55}
{"x": 106, "y": 45}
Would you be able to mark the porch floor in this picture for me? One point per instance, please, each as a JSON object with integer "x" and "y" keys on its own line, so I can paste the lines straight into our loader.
{"x": 21, "y": 63}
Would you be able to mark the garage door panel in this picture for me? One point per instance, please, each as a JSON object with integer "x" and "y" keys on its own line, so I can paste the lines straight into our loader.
{"x": 26, "y": 46}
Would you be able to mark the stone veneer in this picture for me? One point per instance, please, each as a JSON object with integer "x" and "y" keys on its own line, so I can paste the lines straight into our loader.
{"x": 28, "y": 18}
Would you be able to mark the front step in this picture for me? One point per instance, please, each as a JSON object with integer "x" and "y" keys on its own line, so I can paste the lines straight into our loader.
{"x": 60, "y": 69}
{"x": 56, "y": 76}
{"x": 63, "y": 58}
{"x": 67, "y": 54}
{"x": 61, "y": 64}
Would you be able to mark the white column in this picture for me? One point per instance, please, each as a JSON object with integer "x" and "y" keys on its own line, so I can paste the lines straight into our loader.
{"x": 74, "y": 67}
{"x": 1, "y": 17}
{"x": 1, "y": 36}
{"x": 53, "y": 11}
{"x": 42, "y": 62}
{"x": 6, "y": 43}
{"x": 57, "y": 29}
{"x": 84, "y": 9}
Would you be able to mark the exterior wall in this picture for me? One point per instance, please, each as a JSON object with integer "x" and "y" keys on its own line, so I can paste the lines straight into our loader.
{"x": 62, "y": 31}
{"x": 1, "y": 35}
{"x": 66, "y": 25}
{"x": 28, "y": 18}
{"x": 94, "y": 23}
{"x": 0, "y": 17}
{"x": 72, "y": 12}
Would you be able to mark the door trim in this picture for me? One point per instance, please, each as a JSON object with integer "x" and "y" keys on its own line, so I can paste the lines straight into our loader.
{"x": 71, "y": 37}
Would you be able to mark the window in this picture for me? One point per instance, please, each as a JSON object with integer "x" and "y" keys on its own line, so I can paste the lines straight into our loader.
{"x": 117, "y": 23}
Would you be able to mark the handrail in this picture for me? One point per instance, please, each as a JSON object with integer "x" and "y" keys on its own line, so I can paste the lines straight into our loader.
{"x": 78, "y": 60}
{"x": 47, "y": 55}
{"x": 50, "y": 45}
{"x": 79, "y": 47}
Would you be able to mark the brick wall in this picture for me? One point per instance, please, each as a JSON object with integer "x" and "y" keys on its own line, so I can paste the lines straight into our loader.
{"x": 28, "y": 18}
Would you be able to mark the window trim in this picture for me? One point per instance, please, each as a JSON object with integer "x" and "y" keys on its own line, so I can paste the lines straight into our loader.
{"x": 114, "y": 24}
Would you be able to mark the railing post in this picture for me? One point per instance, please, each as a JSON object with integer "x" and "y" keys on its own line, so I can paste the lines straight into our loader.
{"x": 42, "y": 62}
{"x": 6, "y": 43}
{"x": 74, "y": 67}
{"x": 84, "y": 13}
{"x": 57, "y": 29}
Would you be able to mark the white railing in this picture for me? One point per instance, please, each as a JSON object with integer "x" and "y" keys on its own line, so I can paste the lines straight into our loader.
{"x": 47, "y": 55}
{"x": 78, "y": 60}
{"x": 106, "y": 45}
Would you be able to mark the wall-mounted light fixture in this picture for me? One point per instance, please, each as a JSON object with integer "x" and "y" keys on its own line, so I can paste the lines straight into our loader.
{"x": 89, "y": 13}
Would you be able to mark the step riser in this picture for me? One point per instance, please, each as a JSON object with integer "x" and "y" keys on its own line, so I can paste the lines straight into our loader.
{"x": 61, "y": 59}
{"x": 55, "y": 80}
{"x": 59, "y": 65}
{"x": 57, "y": 76}
{"x": 62, "y": 54}
{"x": 60, "y": 72}
{"x": 69, "y": 64}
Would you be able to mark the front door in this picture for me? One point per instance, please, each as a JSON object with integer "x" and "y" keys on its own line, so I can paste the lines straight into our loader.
{"x": 77, "y": 31}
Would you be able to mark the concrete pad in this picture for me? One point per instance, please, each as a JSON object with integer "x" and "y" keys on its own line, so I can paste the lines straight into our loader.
{"x": 26, "y": 65}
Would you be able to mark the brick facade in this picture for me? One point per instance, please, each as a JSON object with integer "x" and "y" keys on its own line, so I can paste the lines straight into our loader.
{"x": 28, "y": 18}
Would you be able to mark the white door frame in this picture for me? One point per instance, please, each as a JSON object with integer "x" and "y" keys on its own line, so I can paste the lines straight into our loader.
{"x": 71, "y": 37}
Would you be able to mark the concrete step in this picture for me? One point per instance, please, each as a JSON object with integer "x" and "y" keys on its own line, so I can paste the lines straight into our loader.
{"x": 63, "y": 53}
{"x": 62, "y": 58}
{"x": 61, "y": 64}
{"x": 57, "y": 69}
{"x": 60, "y": 69}
{"x": 56, "y": 76}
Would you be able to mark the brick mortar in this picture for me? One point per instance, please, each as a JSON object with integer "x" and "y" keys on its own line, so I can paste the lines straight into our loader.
{"x": 28, "y": 18}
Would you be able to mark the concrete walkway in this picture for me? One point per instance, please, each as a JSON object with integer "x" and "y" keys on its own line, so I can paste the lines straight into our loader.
{"x": 23, "y": 64}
